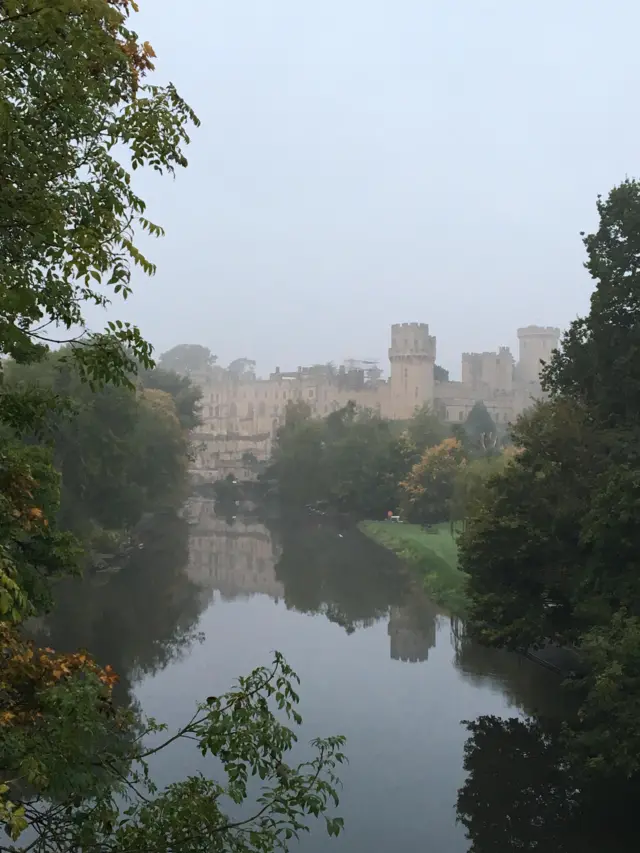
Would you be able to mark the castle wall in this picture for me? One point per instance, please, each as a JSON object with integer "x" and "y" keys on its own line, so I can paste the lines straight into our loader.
{"x": 241, "y": 417}
{"x": 536, "y": 343}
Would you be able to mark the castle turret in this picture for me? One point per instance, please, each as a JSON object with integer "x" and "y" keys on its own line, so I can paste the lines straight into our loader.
{"x": 412, "y": 355}
{"x": 536, "y": 344}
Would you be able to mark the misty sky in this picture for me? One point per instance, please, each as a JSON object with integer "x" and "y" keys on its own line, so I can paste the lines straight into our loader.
{"x": 365, "y": 162}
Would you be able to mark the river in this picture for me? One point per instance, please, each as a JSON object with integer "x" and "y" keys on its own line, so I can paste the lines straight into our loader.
{"x": 379, "y": 663}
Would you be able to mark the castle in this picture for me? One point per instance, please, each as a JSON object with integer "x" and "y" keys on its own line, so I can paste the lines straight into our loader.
{"x": 240, "y": 415}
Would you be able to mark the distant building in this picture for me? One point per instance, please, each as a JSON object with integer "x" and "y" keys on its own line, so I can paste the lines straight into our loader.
{"x": 240, "y": 416}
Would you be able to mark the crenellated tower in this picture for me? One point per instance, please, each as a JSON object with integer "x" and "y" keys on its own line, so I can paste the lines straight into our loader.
{"x": 412, "y": 355}
{"x": 536, "y": 344}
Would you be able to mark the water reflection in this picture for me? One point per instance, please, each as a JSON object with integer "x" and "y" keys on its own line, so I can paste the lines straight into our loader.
{"x": 137, "y": 619}
{"x": 412, "y": 630}
{"x": 519, "y": 794}
{"x": 403, "y": 716}
{"x": 236, "y": 559}
{"x": 528, "y": 686}
{"x": 317, "y": 568}
{"x": 144, "y": 616}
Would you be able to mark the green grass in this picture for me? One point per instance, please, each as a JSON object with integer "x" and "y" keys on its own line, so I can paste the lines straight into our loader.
{"x": 433, "y": 553}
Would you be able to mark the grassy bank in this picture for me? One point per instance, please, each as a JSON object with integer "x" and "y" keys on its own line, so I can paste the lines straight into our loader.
{"x": 432, "y": 552}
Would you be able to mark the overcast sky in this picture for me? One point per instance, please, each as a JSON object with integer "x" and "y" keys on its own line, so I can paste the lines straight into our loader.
{"x": 366, "y": 162}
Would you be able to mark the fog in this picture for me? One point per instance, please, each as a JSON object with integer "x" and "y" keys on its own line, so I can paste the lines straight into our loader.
{"x": 366, "y": 163}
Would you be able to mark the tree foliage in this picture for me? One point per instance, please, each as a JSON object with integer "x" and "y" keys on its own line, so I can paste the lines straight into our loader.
{"x": 247, "y": 730}
{"x": 471, "y": 482}
{"x": 351, "y": 460}
{"x": 73, "y": 101}
{"x": 184, "y": 359}
{"x": 429, "y": 487}
{"x": 120, "y": 453}
{"x": 553, "y": 549}
{"x": 440, "y": 374}
{"x": 33, "y": 549}
{"x": 74, "y": 107}
{"x": 424, "y": 430}
{"x": 479, "y": 425}
{"x": 241, "y": 368}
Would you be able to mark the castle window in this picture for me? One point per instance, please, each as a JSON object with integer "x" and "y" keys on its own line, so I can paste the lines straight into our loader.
{"x": 460, "y": 416}
{"x": 406, "y": 372}
{"x": 311, "y": 392}
{"x": 262, "y": 410}
{"x": 250, "y": 410}
{"x": 284, "y": 395}
{"x": 233, "y": 410}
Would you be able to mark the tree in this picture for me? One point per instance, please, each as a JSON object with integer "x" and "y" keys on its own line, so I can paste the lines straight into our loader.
{"x": 440, "y": 374}
{"x": 479, "y": 424}
{"x": 552, "y": 552}
{"x": 121, "y": 453}
{"x": 242, "y": 368}
{"x": 596, "y": 363}
{"x": 297, "y": 457}
{"x": 429, "y": 487}
{"x": 240, "y": 728}
{"x": 33, "y": 549}
{"x": 363, "y": 462}
{"x": 471, "y": 483}
{"x": 185, "y": 359}
{"x": 425, "y": 429}
{"x": 186, "y": 396}
{"x": 74, "y": 101}
{"x": 351, "y": 460}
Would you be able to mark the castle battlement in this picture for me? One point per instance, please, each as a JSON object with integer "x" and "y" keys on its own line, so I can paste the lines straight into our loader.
{"x": 402, "y": 326}
{"x": 539, "y": 331}
{"x": 241, "y": 419}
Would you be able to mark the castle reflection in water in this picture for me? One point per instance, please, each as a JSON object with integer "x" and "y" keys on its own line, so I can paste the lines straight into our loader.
{"x": 239, "y": 559}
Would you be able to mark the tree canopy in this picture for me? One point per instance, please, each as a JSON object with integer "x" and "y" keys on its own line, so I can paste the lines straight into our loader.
{"x": 74, "y": 104}
{"x": 77, "y": 116}
{"x": 479, "y": 424}
{"x": 351, "y": 459}
{"x": 187, "y": 358}
{"x": 552, "y": 550}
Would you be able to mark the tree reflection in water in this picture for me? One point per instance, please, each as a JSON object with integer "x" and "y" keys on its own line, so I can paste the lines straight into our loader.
{"x": 520, "y": 794}
{"x": 137, "y": 620}
{"x": 337, "y": 572}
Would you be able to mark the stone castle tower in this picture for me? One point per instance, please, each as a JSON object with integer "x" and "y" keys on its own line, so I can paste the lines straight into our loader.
{"x": 535, "y": 344}
{"x": 412, "y": 357}
{"x": 241, "y": 416}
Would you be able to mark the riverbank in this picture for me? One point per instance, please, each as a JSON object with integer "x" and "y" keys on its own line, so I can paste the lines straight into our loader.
{"x": 432, "y": 552}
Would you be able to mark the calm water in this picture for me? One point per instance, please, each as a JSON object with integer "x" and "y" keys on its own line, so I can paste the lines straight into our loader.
{"x": 379, "y": 663}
